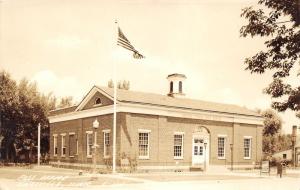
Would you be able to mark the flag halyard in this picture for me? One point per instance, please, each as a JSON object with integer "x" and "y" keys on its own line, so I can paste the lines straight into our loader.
{"x": 125, "y": 43}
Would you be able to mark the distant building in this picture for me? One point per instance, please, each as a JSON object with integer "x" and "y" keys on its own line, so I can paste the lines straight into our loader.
{"x": 156, "y": 131}
{"x": 296, "y": 151}
{"x": 284, "y": 155}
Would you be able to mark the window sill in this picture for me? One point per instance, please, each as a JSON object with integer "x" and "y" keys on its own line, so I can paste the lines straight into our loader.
{"x": 89, "y": 156}
{"x": 247, "y": 158}
{"x": 144, "y": 157}
{"x": 178, "y": 158}
{"x": 106, "y": 157}
{"x": 71, "y": 156}
{"x": 63, "y": 156}
{"x": 221, "y": 158}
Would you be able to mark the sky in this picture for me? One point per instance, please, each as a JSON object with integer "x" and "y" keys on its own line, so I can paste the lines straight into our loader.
{"x": 67, "y": 46}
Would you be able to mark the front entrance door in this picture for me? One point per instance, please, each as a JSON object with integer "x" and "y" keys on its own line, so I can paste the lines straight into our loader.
{"x": 198, "y": 151}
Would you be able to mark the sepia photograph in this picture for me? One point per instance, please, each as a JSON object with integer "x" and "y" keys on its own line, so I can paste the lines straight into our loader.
{"x": 150, "y": 94}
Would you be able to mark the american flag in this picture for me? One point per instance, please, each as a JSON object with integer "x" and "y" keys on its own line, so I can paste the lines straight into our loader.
{"x": 124, "y": 42}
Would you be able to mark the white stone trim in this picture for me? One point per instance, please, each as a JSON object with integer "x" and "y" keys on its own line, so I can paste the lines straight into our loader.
{"x": 106, "y": 130}
{"x": 159, "y": 110}
{"x": 77, "y": 165}
{"x": 72, "y": 133}
{"x": 144, "y": 130}
{"x": 178, "y": 133}
{"x": 54, "y": 135}
{"x": 63, "y": 134}
{"x": 89, "y": 132}
{"x": 221, "y": 135}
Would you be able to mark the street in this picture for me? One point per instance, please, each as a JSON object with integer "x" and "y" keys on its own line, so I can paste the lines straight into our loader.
{"x": 12, "y": 178}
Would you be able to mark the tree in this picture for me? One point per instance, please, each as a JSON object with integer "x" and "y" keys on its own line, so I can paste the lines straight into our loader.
{"x": 22, "y": 108}
{"x": 273, "y": 141}
{"x": 65, "y": 102}
{"x": 125, "y": 85}
{"x": 272, "y": 122}
{"x": 8, "y": 111}
{"x": 279, "y": 22}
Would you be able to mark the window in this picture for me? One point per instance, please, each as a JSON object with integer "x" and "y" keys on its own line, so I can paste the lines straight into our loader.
{"x": 180, "y": 86}
{"x": 247, "y": 147}
{"x": 284, "y": 156}
{"x": 171, "y": 87}
{"x": 201, "y": 150}
{"x": 144, "y": 145}
{"x": 72, "y": 144}
{"x": 55, "y": 148}
{"x": 106, "y": 137}
{"x": 221, "y": 147}
{"x": 178, "y": 146}
{"x": 98, "y": 101}
{"x": 89, "y": 143}
{"x": 63, "y": 145}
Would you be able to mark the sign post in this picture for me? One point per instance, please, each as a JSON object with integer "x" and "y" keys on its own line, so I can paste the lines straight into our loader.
{"x": 265, "y": 167}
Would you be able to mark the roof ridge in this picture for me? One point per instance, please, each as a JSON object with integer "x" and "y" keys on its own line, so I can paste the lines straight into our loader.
{"x": 172, "y": 98}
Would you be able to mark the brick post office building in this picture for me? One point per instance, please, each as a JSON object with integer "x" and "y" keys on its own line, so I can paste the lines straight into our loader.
{"x": 156, "y": 131}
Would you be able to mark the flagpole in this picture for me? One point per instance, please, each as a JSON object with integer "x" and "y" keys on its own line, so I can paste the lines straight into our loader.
{"x": 115, "y": 106}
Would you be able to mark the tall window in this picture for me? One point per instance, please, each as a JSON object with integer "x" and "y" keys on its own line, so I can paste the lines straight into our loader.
{"x": 171, "y": 87}
{"x": 180, "y": 86}
{"x": 63, "y": 145}
{"x": 106, "y": 136}
{"x": 72, "y": 144}
{"x": 89, "y": 143}
{"x": 143, "y": 145}
{"x": 178, "y": 146}
{"x": 247, "y": 148}
{"x": 55, "y": 148}
{"x": 221, "y": 147}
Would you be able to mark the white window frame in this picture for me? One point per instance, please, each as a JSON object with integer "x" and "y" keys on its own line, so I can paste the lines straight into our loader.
{"x": 225, "y": 138}
{"x": 70, "y": 134}
{"x": 147, "y": 131}
{"x": 250, "y": 147}
{"x": 63, "y": 145}
{"x": 182, "y": 147}
{"x": 87, "y": 145}
{"x": 55, "y": 147}
{"x": 105, "y": 132}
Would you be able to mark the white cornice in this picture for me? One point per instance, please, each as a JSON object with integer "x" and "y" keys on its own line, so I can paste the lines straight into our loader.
{"x": 159, "y": 110}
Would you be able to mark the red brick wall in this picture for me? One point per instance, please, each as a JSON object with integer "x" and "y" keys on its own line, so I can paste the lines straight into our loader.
{"x": 161, "y": 138}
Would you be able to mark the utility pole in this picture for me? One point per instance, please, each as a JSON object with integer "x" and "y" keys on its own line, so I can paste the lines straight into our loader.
{"x": 39, "y": 143}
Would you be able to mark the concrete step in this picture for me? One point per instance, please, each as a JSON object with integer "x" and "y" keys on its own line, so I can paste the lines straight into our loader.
{"x": 196, "y": 168}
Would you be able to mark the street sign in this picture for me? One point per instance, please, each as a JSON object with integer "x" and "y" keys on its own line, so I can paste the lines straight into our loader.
{"x": 265, "y": 166}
